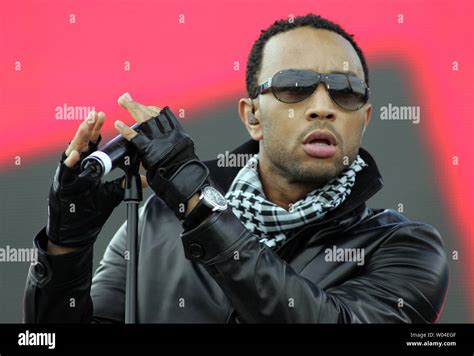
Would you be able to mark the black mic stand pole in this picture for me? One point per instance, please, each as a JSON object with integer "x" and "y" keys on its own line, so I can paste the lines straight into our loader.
{"x": 132, "y": 197}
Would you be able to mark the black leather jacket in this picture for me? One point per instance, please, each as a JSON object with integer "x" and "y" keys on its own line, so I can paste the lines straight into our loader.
{"x": 404, "y": 277}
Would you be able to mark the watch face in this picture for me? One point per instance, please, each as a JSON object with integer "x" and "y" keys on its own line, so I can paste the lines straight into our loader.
{"x": 214, "y": 198}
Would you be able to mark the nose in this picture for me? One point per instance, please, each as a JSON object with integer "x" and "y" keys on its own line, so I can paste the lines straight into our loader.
{"x": 320, "y": 105}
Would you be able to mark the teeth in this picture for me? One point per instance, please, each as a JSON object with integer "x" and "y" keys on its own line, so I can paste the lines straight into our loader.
{"x": 320, "y": 143}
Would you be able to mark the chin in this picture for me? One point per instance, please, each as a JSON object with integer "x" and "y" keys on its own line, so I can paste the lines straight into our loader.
{"x": 315, "y": 173}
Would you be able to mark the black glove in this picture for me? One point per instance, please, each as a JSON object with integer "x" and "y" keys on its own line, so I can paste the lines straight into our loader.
{"x": 79, "y": 207}
{"x": 174, "y": 171}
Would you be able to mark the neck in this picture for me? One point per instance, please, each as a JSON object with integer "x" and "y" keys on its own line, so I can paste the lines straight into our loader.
{"x": 279, "y": 189}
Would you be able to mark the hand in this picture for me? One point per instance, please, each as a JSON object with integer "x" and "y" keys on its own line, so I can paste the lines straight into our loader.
{"x": 79, "y": 207}
{"x": 174, "y": 171}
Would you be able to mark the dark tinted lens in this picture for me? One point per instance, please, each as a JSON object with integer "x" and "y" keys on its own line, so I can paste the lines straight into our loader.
{"x": 360, "y": 89}
{"x": 346, "y": 91}
{"x": 292, "y": 86}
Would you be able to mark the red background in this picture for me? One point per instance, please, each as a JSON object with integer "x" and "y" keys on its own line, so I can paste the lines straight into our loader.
{"x": 191, "y": 66}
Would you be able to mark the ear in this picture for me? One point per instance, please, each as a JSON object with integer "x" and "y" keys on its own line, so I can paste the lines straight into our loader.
{"x": 367, "y": 116}
{"x": 249, "y": 115}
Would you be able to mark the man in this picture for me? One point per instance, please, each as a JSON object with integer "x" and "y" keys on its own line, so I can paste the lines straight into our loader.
{"x": 292, "y": 241}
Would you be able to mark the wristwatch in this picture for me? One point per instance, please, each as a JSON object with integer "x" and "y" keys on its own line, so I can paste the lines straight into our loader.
{"x": 210, "y": 200}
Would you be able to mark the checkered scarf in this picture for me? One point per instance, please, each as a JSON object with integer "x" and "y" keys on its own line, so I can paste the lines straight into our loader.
{"x": 269, "y": 221}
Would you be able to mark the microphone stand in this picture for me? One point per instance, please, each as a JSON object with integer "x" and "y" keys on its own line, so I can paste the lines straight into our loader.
{"x": 132, "y": 197}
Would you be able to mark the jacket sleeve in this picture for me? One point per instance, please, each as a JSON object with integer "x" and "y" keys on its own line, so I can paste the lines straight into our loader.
{"x": 58, "y": 287}
{"x": 404, "y": 281}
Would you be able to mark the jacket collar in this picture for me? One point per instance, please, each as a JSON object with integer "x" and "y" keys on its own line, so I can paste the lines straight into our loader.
{"x": 368, "y": 181}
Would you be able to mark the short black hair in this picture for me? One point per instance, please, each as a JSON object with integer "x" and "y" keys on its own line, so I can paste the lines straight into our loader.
{"x": 254, "y": 62}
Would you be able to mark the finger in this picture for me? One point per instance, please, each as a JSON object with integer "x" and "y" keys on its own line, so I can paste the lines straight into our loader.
{"x": 80, "y": 139}
{"x": 83, "y": 134}
{"x": 98, "y": 126}
{"x": 163, "y": 123}
{"x": 173, "y": 122}
{"x": 166, "y": 123}
{"x": 138, "y": 111}
{"x": 91, "y": 121}
{"x": 72, "y": 159}
{"x": 124, "y": 130}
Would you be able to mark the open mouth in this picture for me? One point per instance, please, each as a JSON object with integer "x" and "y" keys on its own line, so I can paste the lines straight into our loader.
{"x": 320, "y": 137}
{"x": 320, "y": 144}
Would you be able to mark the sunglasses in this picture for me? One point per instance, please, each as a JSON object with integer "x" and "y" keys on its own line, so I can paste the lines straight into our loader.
{"x": 295, "y": 85}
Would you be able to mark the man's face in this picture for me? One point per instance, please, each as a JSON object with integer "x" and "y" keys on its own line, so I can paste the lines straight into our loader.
{"x": 284, "y": 126}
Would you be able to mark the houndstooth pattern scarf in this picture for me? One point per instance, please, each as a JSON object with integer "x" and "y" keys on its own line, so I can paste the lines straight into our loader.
{"x": 270, "y": 222}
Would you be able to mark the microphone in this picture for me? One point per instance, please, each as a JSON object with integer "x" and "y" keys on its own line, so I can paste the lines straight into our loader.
{"x": 99, "y": 163}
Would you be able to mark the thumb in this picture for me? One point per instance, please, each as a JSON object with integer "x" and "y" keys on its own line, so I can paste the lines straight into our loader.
{"x": 124, "y": 130}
